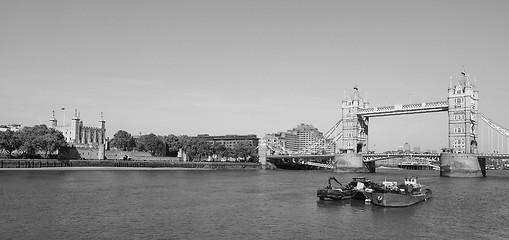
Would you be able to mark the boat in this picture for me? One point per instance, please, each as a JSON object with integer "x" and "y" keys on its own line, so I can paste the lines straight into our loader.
{"x": 330, "y": 193}
{"x": 390, "y": 194}
{"x": 361, "y": 187}
{"x": 417, "y": 166}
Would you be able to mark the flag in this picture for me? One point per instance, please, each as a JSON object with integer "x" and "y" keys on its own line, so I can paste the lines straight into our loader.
{"x": 62, "y": 109}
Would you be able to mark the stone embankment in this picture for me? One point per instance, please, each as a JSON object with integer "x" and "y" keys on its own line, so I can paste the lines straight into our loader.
{"x": 52, "y": 163}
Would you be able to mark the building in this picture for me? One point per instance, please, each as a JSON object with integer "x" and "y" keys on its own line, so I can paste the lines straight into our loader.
{"x": 303, "y": 139}
{"x": 230, "y": 141}
{"x": 417, "y": 149}
{"x": 79, "y": 135}
{"x": 282, "y": 142}
{"x": 406, "y": 147}
{"x": 308, "y": 136}
{"x": 11, "y": 127}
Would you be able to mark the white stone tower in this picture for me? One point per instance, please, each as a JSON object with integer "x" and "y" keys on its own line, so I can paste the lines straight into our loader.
{"x": 75, "y": 127}
{"x": 355, "y": 130}
{"x": 463, "y": 109}
{"x": 102, "y": 132}
{"x": 53, "y": 121}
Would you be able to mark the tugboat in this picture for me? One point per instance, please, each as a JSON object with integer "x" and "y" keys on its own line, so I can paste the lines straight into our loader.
{"x": 362, "y": 188}
{"x": 329, "y": 193}
{"x": 390, "y": 194}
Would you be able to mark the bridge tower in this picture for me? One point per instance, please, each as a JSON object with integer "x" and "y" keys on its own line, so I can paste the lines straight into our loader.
{"x": 463, "y": 109}
{"x": 461, "y": 160}
{"x": 355, "y": 129}
{"x": 355, "y": 136}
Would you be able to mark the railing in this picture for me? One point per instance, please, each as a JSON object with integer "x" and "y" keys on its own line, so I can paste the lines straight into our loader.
{"x": 437, "y": 104}
{"x": 322, "y": 165}
{"x": 402, "y": 154}
{"x": 413, "y": 106}
{"x": 494, "y": 155}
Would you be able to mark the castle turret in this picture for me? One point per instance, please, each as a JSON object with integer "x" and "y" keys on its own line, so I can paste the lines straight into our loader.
{"x": 102, "y": 138}
{"x": 75, "y": 127}
{"x": 102, "y": 126}
{"x": 53, "y": 121}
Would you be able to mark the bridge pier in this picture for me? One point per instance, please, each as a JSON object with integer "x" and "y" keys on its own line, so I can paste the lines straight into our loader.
{"x": 462, "y": 165}
{"x": 262, "y": 154}
{"x": 350, "y": 162}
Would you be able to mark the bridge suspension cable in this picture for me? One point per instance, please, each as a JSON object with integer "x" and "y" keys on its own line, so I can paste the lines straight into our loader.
{"x": 493, "y": 125}
{"x": 325, "y": 141}
{"x": 501, "y": 134}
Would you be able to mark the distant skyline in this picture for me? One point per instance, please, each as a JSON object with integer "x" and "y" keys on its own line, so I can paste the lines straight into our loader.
{"x": 248, "y": 67}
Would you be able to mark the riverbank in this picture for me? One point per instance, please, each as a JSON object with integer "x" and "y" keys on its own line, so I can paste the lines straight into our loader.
{"x": 122, "y": 164}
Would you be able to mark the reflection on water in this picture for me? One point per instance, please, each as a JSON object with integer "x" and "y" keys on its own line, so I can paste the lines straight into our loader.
{"x": 332, "y": 204}
{"x": 101, "y": 204}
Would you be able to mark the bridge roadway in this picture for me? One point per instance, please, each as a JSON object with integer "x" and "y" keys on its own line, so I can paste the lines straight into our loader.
{"x": 371, "y": 157}
{"x": 368, "y": 157}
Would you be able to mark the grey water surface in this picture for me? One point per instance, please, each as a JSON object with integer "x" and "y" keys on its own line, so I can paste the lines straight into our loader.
{"x": 193, "y": 204}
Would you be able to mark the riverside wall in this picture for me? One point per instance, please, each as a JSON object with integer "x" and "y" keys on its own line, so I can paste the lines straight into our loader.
{"x": 53, "y": 163}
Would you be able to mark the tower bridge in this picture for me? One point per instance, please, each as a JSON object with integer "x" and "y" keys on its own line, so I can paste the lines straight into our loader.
{"x": 461, "y": 159}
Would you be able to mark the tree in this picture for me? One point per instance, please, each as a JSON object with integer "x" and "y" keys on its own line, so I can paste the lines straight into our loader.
{"x": 220, "y": 150}
{"x": 226, "y": 153}
{"x": 28, "y": 144}
{"x": 152, "y": 144}
{"x": 50, "y": 140}
{"x": 186, "y": 143}
{"x": 195, "y": 147}
{"x": 10, "y": 141}
{"x": 245, "y": 152}
{"x": 40, "y": 138}
{"x": 173, "y": 144}
{"x": 123, "y": 141}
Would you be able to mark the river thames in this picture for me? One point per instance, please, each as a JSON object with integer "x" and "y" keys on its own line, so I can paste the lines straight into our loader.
{"x": 273, "y": 204}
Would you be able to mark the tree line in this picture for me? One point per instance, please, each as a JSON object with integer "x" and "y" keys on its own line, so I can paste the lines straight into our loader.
{"x": 196, "y": 148}
{"x": 40, "y": 141}
{"x": 32, "y": 142}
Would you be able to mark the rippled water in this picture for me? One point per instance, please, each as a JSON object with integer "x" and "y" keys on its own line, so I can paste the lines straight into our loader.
{"x": 193, "y": 204}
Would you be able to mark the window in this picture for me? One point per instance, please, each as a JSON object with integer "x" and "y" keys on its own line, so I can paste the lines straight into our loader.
{"x": 458, "y": 117}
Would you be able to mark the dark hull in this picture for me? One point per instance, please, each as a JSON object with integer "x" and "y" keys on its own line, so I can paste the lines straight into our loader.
{"x": 333, "y": 194}
{"x": 390, "y": 199}
{"x": 361, "y": 195}
{"x": 288, "y": 165}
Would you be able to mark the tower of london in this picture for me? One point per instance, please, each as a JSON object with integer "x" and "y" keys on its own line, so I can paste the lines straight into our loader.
{"x": 78, "y": 135}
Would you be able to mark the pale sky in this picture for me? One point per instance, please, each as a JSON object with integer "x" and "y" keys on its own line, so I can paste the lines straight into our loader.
{"x": 248, "y": 67}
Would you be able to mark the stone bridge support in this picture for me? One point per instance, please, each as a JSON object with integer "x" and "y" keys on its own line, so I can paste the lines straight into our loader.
{"x": 462, "y": 165}
{"x": 351, "y": 162}
{"x": 262, "y": 154}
